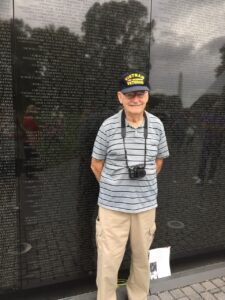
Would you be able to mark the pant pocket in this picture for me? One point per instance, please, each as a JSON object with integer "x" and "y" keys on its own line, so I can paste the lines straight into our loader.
{"x": 151, "y": 234}
{"x": 98, "y": 232}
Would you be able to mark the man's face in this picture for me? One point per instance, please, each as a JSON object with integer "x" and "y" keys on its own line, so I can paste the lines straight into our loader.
{"x": 134, "y": 103}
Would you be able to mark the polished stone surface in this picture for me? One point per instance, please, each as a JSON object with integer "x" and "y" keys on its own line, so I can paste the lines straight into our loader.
{"x": 60, "y": 62}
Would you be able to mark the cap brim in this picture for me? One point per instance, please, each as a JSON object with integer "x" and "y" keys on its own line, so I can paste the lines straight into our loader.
{"x": 135, "y": 88}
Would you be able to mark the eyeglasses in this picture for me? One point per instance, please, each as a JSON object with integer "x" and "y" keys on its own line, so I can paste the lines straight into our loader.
{"x": 139, "y": 94}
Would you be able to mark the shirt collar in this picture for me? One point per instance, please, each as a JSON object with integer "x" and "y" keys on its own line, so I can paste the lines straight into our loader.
{"x": 127, "y": 124}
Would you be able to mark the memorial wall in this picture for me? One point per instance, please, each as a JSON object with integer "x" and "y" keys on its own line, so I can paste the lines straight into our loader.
{"x": 188, "y": 79}
{"x": 60, "y": 63}
{"x": 9, "y": 208}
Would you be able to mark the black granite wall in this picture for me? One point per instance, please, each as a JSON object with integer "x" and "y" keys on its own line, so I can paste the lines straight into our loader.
{"x": 188, "y": 79}
{"x": 9, "y": 208}
{"x": 60, "y": 63}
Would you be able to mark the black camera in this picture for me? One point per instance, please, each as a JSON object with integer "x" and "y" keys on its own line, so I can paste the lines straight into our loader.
{"x": 137, "y": 172}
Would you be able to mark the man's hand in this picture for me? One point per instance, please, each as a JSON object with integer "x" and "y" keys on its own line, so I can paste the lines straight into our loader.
{"x": 159, "y": 163}
{"x": 96, "y": 167}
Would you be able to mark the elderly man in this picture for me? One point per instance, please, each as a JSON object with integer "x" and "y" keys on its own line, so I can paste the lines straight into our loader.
{"x": 127, "y": 157}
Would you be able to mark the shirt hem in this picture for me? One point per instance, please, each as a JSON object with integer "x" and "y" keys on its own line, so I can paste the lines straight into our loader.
{"x": 127, "y": 211}
{"x": 162, "y": 157}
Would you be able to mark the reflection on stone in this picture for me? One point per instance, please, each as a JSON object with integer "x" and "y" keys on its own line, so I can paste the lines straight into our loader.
{"x": 31, "y": 141}
{"x": 175, "y": 224}
{"x": 66, "y": 85}
{"x": 9, "y": 264}
{"x": 191, "y": 107}
{"x": 65, "y": 74}
{"x": 213, "y": 123}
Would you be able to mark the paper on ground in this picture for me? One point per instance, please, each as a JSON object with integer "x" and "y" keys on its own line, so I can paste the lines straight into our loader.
{"x": 159, "y": 260}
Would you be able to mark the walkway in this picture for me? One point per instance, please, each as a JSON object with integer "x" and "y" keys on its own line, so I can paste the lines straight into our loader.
{"x": 205, "y": 282}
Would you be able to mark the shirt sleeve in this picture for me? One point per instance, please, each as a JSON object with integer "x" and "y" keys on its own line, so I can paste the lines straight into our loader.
{"x": 163, "y": 150}
{"x": 100, "y": 145}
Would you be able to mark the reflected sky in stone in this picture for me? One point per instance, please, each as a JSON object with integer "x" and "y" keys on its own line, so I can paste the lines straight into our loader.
{"x": 69, "y": 13}
{"x": 188, "y": 36}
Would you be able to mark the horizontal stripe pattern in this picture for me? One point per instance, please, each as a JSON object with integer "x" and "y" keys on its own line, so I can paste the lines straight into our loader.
{"x": 117, "y": 190}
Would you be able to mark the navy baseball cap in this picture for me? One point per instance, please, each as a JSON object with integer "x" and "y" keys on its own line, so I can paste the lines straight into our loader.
{"x": 133, "y": 82}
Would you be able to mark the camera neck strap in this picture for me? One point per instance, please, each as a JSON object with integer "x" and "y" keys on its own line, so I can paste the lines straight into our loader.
{"x": 123, "y": 133}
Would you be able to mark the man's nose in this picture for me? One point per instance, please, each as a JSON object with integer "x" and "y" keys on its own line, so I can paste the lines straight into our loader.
{"x": 135, "y": 98}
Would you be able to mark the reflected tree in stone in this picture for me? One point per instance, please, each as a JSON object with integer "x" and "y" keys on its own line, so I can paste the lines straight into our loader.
{"x": 71, "y": 81}
{"x": 59, "y": 59}
{"x": 25, "y": 68}
{"x": 221, "y": 68}
{"x": 116, "y": 38}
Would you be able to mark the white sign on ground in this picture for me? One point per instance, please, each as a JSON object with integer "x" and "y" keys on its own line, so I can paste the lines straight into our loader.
{"x": 159, "y": 260}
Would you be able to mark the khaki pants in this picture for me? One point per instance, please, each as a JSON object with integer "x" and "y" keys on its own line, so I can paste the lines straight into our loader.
{"x": 112, "y": 231}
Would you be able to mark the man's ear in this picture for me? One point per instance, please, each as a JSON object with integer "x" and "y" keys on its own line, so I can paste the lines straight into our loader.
{"x": 120, "y": 97}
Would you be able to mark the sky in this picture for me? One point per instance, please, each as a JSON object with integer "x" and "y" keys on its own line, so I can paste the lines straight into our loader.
{"x": 188, "y": 36}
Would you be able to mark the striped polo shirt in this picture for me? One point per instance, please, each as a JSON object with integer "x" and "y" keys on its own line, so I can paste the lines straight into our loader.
{"x": 117, "y": 190}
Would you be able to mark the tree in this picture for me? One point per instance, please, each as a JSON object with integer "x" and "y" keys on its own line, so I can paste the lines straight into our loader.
{"x": 47, "y": 65}
{"x": 221, "y": 68}
{"x": 116, "y": 39}
{"x": 59, "y": 67}
{"x": 5, "y": 59}
{"x": 25, "y": 66}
